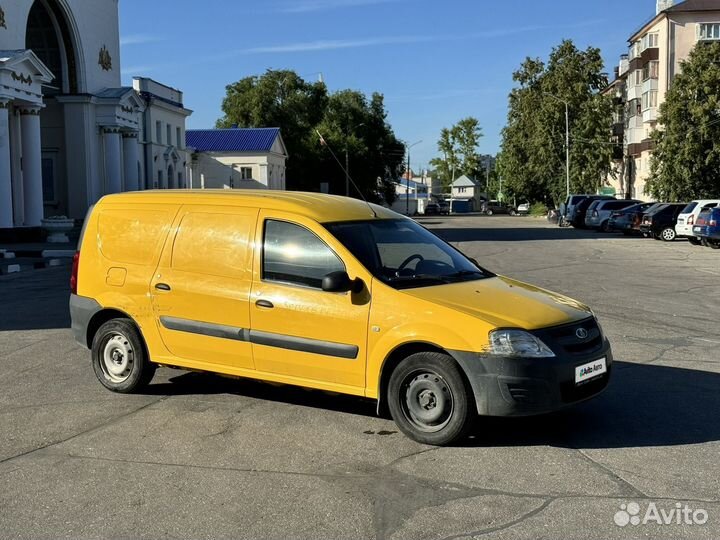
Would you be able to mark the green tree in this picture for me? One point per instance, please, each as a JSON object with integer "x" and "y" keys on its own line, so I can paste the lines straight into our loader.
{"x": 458, "y": 147}
{"x": 686, "y": 161}
{"x": 346, "y": 119}
{"x": 532, "y": 158}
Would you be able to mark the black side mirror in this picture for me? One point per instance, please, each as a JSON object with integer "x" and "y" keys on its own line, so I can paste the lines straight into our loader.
{"x": 337, "y": 282}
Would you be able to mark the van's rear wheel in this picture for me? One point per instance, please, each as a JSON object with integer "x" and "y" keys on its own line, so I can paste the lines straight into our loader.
{"x": 429, "y": 400}
{"x": 668, "y": 234}
{"x": 119, "y": 359}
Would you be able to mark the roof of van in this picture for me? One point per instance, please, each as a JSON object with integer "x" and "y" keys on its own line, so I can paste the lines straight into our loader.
{"x": 318, "y": 206}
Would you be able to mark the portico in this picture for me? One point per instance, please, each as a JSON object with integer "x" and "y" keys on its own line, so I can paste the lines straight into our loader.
{"x": 22, "y": 75}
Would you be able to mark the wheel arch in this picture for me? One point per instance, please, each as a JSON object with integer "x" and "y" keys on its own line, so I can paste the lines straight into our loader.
{"x": 105, "y": 315}
{"x": 397, "y": 355}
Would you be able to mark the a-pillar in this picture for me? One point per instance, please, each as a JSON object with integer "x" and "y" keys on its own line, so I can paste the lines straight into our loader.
{"x": 130, "y": 160}
{"x": 113, "y": 165}
{"x": 6, "y": 205}
{"x": 31, "y": 165}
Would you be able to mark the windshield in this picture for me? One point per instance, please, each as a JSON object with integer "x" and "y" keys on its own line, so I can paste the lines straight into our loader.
{"x": 403, "y": 254}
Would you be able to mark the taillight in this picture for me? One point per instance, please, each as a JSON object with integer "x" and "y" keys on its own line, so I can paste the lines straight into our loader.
{"x": 713, "y": 223}
{"x": 691, "y": 219}
{"x": 74, "y": 273}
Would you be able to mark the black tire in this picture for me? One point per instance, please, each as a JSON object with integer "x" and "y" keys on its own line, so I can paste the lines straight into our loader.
{"x": 714, "y": 244}
{"x": 512, "y": 213}
{"x": 694, "y": 240}
{"x": 489, "y": 212}
{"x": 437, "y": 379}
{"x": 119, "y": 357}
{"x": 605, "y": 226}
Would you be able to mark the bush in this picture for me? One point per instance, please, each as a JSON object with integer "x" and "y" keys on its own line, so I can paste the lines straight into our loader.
{"x": 538, "y": 209}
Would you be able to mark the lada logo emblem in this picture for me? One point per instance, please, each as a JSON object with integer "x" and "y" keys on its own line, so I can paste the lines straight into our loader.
{"x": 581, "y": 333}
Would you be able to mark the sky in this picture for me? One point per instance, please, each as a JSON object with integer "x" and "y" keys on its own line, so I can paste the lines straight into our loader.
{"x": 435, "y": 61}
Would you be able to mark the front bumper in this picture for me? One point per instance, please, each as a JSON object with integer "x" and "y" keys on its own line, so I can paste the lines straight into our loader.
{"x": 505, "y": 386}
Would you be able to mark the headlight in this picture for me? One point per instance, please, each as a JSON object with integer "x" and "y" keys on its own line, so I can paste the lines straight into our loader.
{"x": 518, "y": 343}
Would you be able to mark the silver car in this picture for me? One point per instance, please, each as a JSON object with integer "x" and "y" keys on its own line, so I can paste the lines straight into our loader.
{"x": 599, "y": 212}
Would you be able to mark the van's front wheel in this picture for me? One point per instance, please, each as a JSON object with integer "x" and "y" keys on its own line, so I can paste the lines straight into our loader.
{"x": 429, "y": 400}
{"x": 119, "y": 359}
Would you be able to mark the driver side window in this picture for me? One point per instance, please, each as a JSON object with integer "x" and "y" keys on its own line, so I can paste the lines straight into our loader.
{"x": 293, "y": 254}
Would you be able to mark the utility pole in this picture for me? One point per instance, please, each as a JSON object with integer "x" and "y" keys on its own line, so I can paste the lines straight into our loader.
{"x": 487, "y": 177}
{"x": 407, "y": 172}
{"x": 567, "y": 139}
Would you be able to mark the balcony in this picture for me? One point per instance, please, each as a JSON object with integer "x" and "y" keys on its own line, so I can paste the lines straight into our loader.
{"x": 634, "y": 92}
{"x": 618, "y": 129}
{"x": 650, "y": 115}
{"x": 649, "y": 84}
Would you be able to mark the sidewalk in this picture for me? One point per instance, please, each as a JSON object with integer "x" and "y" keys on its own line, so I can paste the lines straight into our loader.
{"x": 30, "y": 256}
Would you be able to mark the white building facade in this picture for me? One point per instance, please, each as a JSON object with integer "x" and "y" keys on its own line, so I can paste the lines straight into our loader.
{"x": 237, "y": 158}
{"x": 165, "y": 162}
{"x": 69, "y": 131}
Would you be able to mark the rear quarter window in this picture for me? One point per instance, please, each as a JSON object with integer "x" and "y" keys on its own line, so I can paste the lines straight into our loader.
{"x": 132, "y": 236}
{"x": 689, "y": 208}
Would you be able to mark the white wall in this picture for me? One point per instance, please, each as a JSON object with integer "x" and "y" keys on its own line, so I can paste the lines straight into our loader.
{"x": 222, "y": 170}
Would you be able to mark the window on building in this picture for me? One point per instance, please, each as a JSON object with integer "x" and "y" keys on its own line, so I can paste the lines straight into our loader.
{"x": 293, "y": 254}
{"x": 158, "y": 132}
{"x": 159, "y": 180}
{"x": 635, "y": 50}
{"x": 649, "y": 99}
{"x": 649, "y": 41}
{"x": 169, "y": 135}
{"x": 246, "y": 173}
{"x": 650, "y": 70}
{"x": 638, "y": 76}
{"x": 708, "y": 31}
{"x": 178, "y": 138}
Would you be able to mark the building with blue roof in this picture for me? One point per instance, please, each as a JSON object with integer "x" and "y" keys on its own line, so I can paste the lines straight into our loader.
{"x": 237, "y": 158}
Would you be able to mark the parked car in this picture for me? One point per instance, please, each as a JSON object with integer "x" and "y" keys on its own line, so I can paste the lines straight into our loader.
{"x": 568, "y": 208}
{"x": 707, "y": 227}
{"x": 688, "y": 216}
{"x": 447, "y": 339}
{"x": 660, "y": 223}
{"x": 444, "y": 208}
{"x": 523, "y": 208}
{"x": 496, "y": 207}
{"x": 627, "y": 220}
{"x": 578, "y": 216}
{"x": 432, "y": 209}
{"x": 599, "y": 212}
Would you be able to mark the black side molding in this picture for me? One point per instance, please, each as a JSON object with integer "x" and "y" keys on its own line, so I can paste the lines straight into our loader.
{"x": 270, "y": 339}
{"x": 293, "y": 343}
{"x": 205, "y": 329}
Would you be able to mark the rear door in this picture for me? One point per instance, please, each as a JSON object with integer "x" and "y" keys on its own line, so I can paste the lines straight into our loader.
{"x": 201, "y": 288}
{"x": 297, "y": 329}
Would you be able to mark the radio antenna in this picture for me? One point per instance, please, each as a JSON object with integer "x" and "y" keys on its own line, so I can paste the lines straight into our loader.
{"x": 324, "y": 143}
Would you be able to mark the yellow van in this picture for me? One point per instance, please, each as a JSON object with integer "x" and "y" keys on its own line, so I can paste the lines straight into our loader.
{"x": 324, "y": 292}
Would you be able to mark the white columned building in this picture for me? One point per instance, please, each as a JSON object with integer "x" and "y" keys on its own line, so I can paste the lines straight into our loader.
{"x": 69, "y": 131}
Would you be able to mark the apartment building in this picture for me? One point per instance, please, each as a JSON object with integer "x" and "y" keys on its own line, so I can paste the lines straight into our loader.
{"x": 643, "y": 77}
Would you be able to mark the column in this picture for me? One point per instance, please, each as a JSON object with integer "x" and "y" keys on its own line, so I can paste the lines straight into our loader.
{"x": 113, "y": 165}
{"x": 131, "y": 158}
{"x": 6, "y": 205}
{"x": 32, "y": 165}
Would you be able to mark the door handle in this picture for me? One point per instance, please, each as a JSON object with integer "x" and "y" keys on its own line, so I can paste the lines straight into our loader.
{"x": 264, "y": 304}
{"x": 162, "y": 286}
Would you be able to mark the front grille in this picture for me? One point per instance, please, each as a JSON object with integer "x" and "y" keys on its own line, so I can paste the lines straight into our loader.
{"x": 566, "y": 339}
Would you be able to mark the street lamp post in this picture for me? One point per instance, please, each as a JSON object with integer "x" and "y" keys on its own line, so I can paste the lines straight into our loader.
{"x": 567, "y": 139}
{"x": 347, "y": 158}
{"x": 407, "y": 188}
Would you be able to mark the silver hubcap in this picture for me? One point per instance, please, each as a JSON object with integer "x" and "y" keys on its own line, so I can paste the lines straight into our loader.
{"x": 668, "y": 234}
{"x": 118, "y": 358}
{"x": 428, "y": 401}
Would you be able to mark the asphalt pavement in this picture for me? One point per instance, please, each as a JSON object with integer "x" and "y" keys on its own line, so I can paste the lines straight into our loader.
{"x": 200, "y": 456}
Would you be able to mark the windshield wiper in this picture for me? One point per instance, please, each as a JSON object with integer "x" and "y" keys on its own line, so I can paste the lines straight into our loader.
{"x": 466, "y": 273}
